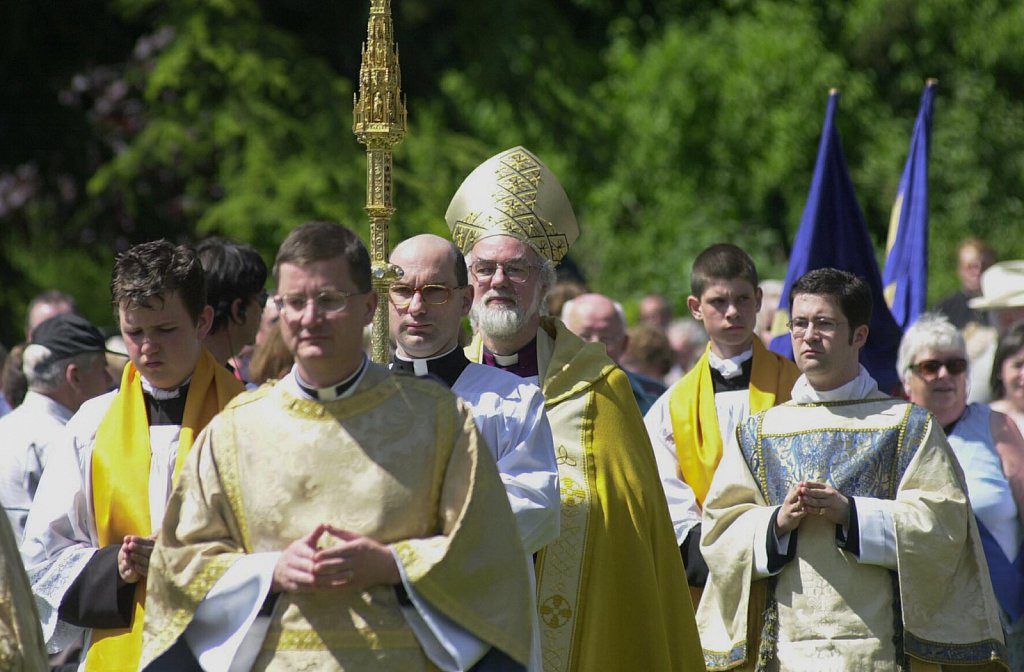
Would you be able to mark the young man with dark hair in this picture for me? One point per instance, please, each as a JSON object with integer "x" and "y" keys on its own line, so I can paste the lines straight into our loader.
{"x": 838, "y": 526}
{"x": 342, "y": 518}
{"x": 235, "y": 278}
{"x": 692, "y": 422}
{"x": 91, "y": 528}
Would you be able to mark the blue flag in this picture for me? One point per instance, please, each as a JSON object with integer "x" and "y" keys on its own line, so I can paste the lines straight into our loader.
{"x": 906, "y": 264}
{"x": 833, "y": 234}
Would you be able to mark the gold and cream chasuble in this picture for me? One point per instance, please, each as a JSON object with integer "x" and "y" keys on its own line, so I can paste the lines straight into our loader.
{"x": 611, "y": 590}
{"x": 21, "y": 640}
{"x": 399, "y": 460}
{"x": 828, "y": 609}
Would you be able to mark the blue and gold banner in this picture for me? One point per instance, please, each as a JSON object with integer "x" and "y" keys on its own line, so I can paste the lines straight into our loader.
{"x": 833, "y": 234}
{"x": 906, "y": 264}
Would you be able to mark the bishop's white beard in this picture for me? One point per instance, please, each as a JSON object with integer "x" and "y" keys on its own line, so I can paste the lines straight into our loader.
{"x": 501, "y": 321}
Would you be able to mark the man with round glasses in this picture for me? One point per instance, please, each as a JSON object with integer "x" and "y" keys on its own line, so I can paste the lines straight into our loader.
{"x": 615, "y": 568}
{"x": 427, "y": 308}
{"x": 837, "y": 526}
{"x": 341, "y": 518}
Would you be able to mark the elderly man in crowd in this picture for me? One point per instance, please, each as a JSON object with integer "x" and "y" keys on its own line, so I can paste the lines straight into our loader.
{"x": 65, "y": 365}
{"x": 597, "y": 319}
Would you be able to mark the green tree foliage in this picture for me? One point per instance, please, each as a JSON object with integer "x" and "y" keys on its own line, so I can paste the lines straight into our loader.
{"x": 671, "y": 124}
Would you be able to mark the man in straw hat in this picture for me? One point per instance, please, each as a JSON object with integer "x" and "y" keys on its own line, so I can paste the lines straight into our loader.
{"x": 1002, "y": 296}
{"x": 612, "y": 591}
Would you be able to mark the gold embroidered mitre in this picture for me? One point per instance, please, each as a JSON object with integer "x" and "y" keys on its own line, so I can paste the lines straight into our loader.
{"x": 513, "y": 194}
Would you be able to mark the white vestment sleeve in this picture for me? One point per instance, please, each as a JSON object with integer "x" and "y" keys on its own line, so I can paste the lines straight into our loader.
{"x": 222, "y": 634}
{"x": 877, "y": 531}
{"x": 59, "y": 538}
{"x": 510, "y": 416}
{"x": 529, "y": 472}
{"x": 766, "y": 519}
{"x": 682, "y": 503}
{"x": 445, "y": 643}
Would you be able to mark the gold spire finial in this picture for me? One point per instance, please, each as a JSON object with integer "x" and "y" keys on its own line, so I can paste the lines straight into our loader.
{"x": 379, "y": 122}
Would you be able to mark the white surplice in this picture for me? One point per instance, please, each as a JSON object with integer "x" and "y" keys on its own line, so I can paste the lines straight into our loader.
{"x": 509, "y": 412}
{"x": 60, "y": 533}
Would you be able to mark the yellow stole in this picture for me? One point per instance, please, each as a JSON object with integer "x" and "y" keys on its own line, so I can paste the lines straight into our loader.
{"x": 695, "y": 418}
{"x": 120, "y": 483}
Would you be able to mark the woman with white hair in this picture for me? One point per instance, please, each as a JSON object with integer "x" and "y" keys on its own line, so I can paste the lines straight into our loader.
{"x": 932, "y": 364}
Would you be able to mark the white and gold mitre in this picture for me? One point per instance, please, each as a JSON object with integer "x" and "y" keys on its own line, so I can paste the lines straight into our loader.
{"x": 513, "y": 194}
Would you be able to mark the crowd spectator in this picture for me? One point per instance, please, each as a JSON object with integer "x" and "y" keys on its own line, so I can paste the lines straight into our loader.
{"x": 597, "y": 319}
{"x": 1002, "y": 295}
{"x": 560, "y": 292}
{"x": 235, "y": 279}
{"x": 973, "y": 257}
{"x": 688, "y": 339}
{"x": 932, "y": 364}
{"x": 1007, "y": 379}
{"x": 656, "y": 311}
{"x": 45, "y": 305}
{"x": 648, "y": 352}
{"x": 12, "y": 380}
{"x": 64, "y": 367}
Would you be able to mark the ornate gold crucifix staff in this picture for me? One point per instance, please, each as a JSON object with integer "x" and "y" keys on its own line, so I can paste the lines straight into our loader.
{"x": 379, "y": 122}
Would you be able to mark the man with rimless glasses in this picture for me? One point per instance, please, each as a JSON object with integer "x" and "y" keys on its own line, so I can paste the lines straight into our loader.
{"x": 343, "y": 517}
{"x": 837, "y": 527}
{"x": 427, "y": 307}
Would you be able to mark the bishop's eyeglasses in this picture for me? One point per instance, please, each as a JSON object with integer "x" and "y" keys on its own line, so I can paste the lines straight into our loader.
{"x": 516, "y": 270}
{"x": 434, "y": 295}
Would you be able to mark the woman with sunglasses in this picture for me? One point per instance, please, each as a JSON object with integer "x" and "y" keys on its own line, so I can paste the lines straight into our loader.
{"x": 932, "y": 364}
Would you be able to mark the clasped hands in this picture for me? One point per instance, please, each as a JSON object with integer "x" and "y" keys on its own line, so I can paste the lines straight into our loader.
{"x": 133, "y": 557}
{"x": 357, "y": 562}
{"x": 812, "y": 498}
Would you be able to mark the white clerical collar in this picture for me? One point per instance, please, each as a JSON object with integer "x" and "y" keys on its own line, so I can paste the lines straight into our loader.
{"x": 420, "y": 366}
{"x": 731, "y": 367}
{"x": 333, "y": 392}
{"x": 861, "y": 387}
{"x": 161, "y": 394}
{"x": 506, "y": 360}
